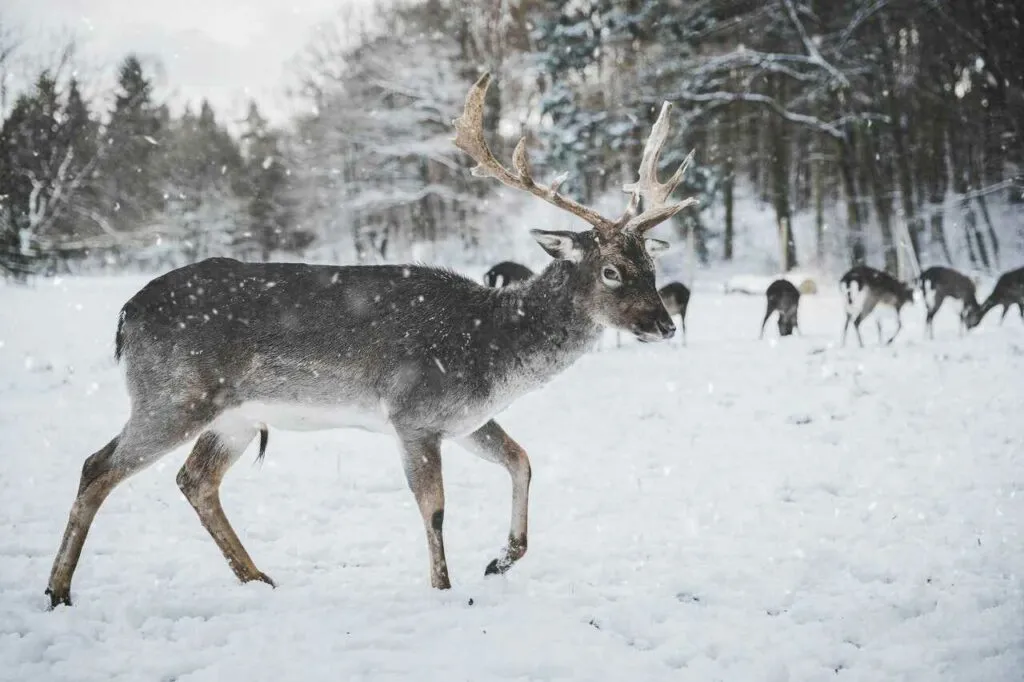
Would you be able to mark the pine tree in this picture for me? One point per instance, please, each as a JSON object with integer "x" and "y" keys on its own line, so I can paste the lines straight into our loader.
{"x": 270, "y": 212}
{"x": 133, "y": 137}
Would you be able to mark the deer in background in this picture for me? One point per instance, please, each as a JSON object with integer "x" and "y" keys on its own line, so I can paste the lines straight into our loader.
{"x": 217, "y": 350}
{"x": 1009, "y": 291}
{"x": 506, "y": 272}
{"x": 782, "y": 296}
{"x": 865, "y": 288}
{"x": 939, "y": 283}
{"x": 676, "y": 297}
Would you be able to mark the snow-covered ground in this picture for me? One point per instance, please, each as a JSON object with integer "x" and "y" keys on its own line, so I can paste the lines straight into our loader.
{"x": 734, "y": 510}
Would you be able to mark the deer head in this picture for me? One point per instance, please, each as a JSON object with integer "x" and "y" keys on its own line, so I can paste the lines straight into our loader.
{"x": 612, "y": 261}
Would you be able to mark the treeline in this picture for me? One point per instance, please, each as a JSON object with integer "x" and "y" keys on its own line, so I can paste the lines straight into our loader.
{"x": 134, "y": 183}
{"x": 906, "y": 116}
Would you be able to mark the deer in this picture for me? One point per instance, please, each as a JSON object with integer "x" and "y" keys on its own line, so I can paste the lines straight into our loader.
{"x": 939, "y": 283}
{"x": 784, "y": 297}
{"x": 864, "y": 288}
{"x": 217, "y": 351}
{"x": 676, "y": 297}
{"x": 1008, "y": 291}
{"x": 507, "y": 272}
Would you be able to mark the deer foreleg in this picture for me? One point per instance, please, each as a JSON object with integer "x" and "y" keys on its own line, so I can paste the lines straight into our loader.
{"x": 421, "y": 459}
{"x": 490, "y": 442}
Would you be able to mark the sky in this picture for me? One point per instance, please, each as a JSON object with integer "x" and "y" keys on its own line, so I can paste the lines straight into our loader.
{"x": 224, "y": 50}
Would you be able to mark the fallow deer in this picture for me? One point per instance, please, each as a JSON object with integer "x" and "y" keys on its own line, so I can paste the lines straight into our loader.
{"x": 864, "y": 288}
{"x": 506, "y": 272}
{"x": 217, "y": 350}
{"x": 939, "y": 283}
{"x": 676, "y": 297}
{"x": 1009, "y": 291}
{"x": 782, "y": 296}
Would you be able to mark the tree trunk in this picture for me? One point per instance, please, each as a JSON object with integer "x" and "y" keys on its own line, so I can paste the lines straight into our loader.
{"x": 728, "y": 179}
{"x": 778, "y": 132}
{"x": 874, "y": 176}
{"x": 855, "y": 225}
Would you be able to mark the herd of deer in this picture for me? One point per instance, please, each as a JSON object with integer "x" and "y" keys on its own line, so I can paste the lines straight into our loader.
{"x": 218, "y": 351}
{"x": 863, "y": 288}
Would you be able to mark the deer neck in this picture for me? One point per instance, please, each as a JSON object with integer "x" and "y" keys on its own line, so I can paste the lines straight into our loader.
{"x": 546, "y": 321}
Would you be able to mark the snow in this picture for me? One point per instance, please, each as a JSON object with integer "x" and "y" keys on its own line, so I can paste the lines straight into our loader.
{"x": 734, "y": 510}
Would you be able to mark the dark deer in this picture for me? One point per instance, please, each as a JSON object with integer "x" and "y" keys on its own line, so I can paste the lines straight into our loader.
{"x": 784, "y": 297}
{"x": 506, "y": 272}
{"x": 939, "y": 283}
{"x": 217, "y": 350}
{"x": 1009, "y": 291}
{"x": 676, "y": 297}
{"x": 864, "y": 289}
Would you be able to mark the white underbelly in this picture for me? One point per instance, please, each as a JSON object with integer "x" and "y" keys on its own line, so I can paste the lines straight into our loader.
{"x": 298, "y": 417}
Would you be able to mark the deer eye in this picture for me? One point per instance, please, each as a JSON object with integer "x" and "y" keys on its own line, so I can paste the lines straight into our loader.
{"x": 610, "y": 276}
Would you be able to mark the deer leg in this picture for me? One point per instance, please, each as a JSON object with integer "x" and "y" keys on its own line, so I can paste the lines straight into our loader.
{"x": 1006, "y": 309}
{"x": 490, "y": 442}
{"x": 139, "y": 445}
{"x": 421, "y": 459}
{"x": 199, "y": 479}
{"x": 899, "y": 326}
{"x": 768, "y": 313}
{"x": 856, "y": 327}
{"x": 846, "y": 327}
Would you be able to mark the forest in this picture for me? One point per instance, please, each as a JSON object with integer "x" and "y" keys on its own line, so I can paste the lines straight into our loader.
{"x": 902, "y": 117}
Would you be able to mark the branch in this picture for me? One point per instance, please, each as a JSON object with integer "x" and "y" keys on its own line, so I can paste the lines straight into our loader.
{"x": 809, "y": 45}
{"x": 754, "y": 98}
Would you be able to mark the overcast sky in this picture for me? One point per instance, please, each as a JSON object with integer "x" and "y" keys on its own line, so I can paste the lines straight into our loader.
{"x": 225, "y": 50}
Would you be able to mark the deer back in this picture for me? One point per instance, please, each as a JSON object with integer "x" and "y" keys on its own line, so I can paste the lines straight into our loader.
{"x": 421, "y": 344}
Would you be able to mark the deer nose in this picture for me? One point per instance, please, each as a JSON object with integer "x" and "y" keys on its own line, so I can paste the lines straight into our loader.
{"x": 665, "y": 327}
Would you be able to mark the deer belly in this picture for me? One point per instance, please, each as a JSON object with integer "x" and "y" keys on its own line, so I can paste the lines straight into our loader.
{"x": 304, "y": 417}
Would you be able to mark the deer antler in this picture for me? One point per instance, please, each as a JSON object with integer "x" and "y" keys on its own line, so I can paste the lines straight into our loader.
{"x": 469, "y": 137}
{"x": 655, "y": 194}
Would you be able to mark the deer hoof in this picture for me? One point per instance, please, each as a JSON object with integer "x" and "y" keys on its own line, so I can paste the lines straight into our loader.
{"x": 498, "y": 566}
{"x": 58, "y": 597}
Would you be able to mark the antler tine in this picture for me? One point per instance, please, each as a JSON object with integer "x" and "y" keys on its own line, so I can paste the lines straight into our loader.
{"x": 469, "y": 137}
{"x": 654, "y": 193}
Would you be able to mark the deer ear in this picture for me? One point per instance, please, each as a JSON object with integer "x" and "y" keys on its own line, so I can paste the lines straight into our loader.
{"x": 656, "y": 247}
{"x": 559, "y": 244}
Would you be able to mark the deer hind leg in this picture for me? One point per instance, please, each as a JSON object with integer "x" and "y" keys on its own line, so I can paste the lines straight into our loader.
{"x": 490, "y": 442}
{"x": 200, "y": 478}
{"x": 682, "y": 326}
{"x": 899, "y": 327}
{"x": 140, "y": 443}
{"x": 421, "y": 459}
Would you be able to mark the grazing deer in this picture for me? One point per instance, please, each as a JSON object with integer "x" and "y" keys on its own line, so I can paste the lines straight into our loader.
{"x": 506, "y": 272}
{"x": 784, "y": 297}
{"x": 1009, "y": 291}
{"x": 676, "y": 297}
{"x": 864, "y": 288}
{"x": 939, "y": 283}
{"x": 217, "y": 350}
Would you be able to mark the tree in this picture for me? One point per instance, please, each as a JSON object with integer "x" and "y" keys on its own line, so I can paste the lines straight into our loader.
{"x": 131, "y": 187}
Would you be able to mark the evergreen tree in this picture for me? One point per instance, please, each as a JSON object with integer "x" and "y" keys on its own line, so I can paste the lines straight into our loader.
{"x": 133, "y": 137}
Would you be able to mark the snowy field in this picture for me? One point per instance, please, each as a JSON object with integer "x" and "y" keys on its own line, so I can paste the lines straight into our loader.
{"x": 735, "y": 510}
